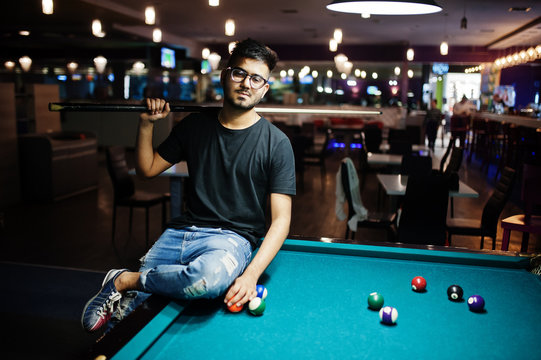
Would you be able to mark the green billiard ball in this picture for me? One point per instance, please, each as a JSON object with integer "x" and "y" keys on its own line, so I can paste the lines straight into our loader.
{"x": 375, "y": 301}
{"x": 257, "y": 306}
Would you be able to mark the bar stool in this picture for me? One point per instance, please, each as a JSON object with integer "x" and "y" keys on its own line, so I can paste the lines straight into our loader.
{"x": 478, "y": 137}
{"x": 494, "y": 144}
{"x": 509, "y": 147}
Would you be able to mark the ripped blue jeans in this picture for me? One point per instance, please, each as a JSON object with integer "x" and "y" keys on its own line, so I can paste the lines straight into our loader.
{"x": 189, "y": 263}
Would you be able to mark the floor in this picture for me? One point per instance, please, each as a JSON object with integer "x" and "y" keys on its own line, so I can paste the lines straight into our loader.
{"x": 75, "y": 235}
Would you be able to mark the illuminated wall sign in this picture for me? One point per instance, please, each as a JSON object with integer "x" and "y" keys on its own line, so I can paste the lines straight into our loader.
{"x": 440, "y": 68}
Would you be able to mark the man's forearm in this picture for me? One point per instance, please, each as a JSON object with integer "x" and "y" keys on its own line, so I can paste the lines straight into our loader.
{"x": 270, "y": 246}
{"x": 144, "y": 152}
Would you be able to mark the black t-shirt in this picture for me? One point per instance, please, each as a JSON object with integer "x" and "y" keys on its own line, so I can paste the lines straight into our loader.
{"x": 232, "y": 172}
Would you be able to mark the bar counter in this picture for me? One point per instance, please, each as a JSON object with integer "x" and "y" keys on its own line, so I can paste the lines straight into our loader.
{"x": 513, "y": 119}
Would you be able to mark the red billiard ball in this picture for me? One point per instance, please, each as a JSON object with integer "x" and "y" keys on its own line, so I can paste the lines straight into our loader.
{"x": 234, "y": 308}
{"x": 418, "y": 284}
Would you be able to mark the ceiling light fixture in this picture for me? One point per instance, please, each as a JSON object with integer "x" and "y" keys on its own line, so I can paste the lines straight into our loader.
{"x": 157, "y": 35}
{"x": 150, "y": 15}
{"x": 410, "y": 54}
{"x": 47, "y": 7}
{"x": 72, "y": 67}
{"x": 205, "y": 53}
{"x": 386, "y": 7}
{"x": 214, "y": 60}
{"x": 464, "y": 21}
{"x": 10, "y": 65}
{"x": 333, "y": 45}
{"x": 214, "y": 2}
{"x": 97, "y": 29}
{"x": 100, "y": 62}
{"x": 230, "y": 27}
{"x": 338, "y": 35}
{"x": 444, "y": 48}
{"x": 138, "y": 67}
{"x": 25, "y": 63}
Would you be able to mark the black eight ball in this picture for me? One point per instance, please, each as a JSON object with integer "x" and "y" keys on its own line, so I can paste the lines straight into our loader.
{"x": 455, "y": 293}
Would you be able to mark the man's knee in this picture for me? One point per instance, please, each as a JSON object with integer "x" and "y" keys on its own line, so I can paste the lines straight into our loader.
{"x": 214, "y": 277}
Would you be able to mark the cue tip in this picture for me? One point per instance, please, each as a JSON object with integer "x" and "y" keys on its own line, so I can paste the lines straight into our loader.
{"x": 55, "y": 107}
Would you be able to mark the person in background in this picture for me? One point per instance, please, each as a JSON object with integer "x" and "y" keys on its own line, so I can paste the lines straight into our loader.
{"x": 460, "y": 121}
{"x": 432, "y": 123}
{"x": 238, "y": 161}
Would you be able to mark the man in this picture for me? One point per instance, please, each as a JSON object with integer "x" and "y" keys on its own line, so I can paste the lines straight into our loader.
{"x": 460, "y": 121}
{"x": 236, "y": 160}
{"x": 432, "y": 122}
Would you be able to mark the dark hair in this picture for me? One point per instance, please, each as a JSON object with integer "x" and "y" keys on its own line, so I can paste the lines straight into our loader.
{"x": 253, "y": 49}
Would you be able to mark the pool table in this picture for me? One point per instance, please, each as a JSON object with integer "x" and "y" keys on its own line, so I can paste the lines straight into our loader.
{"x": 317, "y": 309}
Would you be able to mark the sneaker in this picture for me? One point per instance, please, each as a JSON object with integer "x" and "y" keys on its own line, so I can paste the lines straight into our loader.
{"x": 100, "y": 308}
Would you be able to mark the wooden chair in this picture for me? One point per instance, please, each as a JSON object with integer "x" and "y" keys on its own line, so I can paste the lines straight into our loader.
{"x": 527, "y": 222}
{"x": 315, "y": 155}
{"x": 424, "y": 210}
{"x": 125, "y": 193}
{"x": 413, "y": 164}
{"x": 375, "y": 220}
{"x": 452, "y": 167}
{"x": 488, "y": 224}
{"x": 372, "y": 137}
{"x": 455, "y": 155}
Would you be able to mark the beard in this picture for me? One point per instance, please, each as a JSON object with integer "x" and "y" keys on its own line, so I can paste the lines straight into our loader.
{"x": 231, "y": 98}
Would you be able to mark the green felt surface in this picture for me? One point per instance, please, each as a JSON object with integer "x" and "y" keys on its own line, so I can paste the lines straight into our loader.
{"x": 317, "y": 309}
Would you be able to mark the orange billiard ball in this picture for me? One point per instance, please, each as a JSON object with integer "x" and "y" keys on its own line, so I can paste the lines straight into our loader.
{"x": 234, "y": 308}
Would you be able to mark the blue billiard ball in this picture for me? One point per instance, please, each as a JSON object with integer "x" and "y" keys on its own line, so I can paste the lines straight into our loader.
{"x": 476, "y": 303}
{"x": 261, "y": 291}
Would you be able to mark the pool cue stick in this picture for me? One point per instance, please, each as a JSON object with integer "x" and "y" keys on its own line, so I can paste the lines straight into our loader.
{"x": 83, "y": 107}
{"x": 194, "y": 108}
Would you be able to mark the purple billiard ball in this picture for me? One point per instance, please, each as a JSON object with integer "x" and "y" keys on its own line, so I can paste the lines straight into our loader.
{"x": 388, "y": 315}
{"x": 476, "y": 303}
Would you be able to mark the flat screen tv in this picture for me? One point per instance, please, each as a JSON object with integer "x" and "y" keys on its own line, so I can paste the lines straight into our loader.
{"x": 167, "y": 59}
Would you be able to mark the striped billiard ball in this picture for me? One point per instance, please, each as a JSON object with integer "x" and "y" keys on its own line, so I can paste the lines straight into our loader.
{"x": 257, "y": 306}
{"x": 388, "y": 315}
{"x": 261, "y": 291}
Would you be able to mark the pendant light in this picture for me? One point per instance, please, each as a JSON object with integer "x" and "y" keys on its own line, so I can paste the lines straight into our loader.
{"x": 386, "y": 7}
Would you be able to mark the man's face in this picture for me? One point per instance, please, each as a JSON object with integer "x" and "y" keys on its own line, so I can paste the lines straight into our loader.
{"x": 240, "y": 94}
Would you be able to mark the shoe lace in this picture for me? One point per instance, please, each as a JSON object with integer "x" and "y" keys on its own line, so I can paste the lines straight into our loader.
{"x": 107, "y": 309}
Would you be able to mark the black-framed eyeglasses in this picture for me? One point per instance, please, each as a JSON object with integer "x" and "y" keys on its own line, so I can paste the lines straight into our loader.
{"x": 239, "y": 75}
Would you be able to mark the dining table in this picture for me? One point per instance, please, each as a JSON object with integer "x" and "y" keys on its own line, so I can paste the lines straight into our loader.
{"x": 395, "y": 185}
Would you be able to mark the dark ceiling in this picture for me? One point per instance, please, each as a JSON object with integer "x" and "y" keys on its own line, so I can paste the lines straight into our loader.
{"x": 193, "y": 24}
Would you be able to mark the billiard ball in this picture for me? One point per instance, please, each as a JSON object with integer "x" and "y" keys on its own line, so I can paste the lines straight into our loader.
{"x": 261, "y": 291}
{"x": 257, "y": 306}
{"x": 234, "y": 308}
{"x": 388, "y": 315}
{"x": 476, "y": 303}
{"x": 455, "y": 293}
{"x": 418, "y": 284}
{"x": 375, "y": 301}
